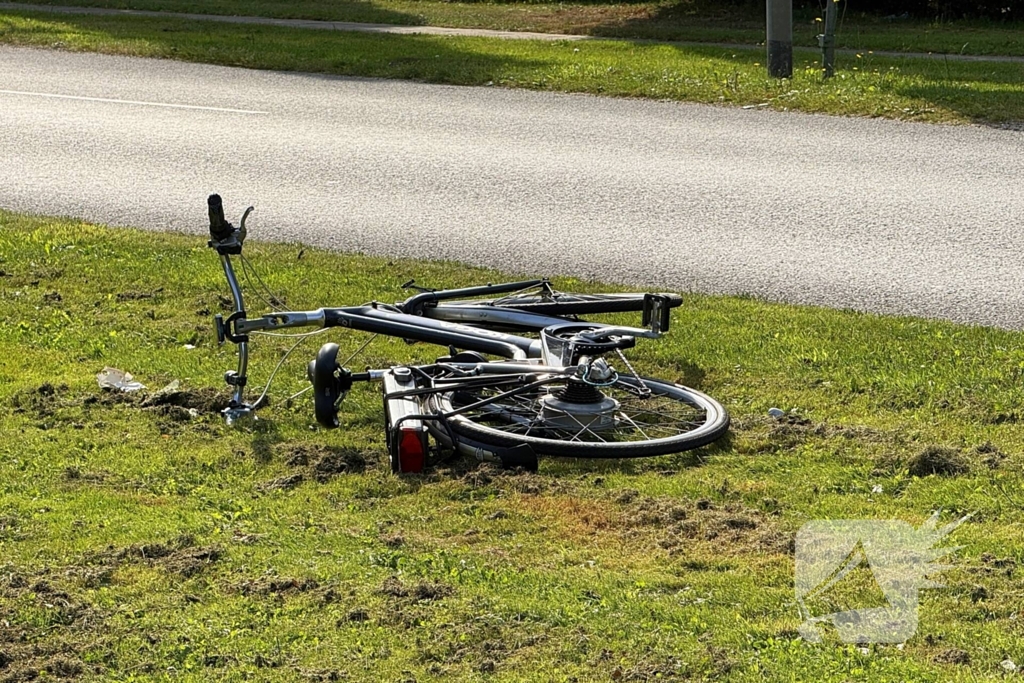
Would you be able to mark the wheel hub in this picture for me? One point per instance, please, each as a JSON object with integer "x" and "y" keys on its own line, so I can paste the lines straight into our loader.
{"x": 558, "y": 413}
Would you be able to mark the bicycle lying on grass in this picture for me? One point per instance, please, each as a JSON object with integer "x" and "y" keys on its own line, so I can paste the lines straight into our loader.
{"x": 499, "y": 395}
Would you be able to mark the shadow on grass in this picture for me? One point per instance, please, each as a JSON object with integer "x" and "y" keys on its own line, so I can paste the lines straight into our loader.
{"x": 995, "y": 108}
{"x": 665, "y": 465}
{"x": 264, "y": 439}
{"x": 679, "y": 21}
{"x": 337, "y": 10}
{"x": 980, "y": 92}
{"x": 436, "y": 59}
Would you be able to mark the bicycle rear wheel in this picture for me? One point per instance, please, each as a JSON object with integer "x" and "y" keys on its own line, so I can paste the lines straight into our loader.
{"x": 565, "y": 417}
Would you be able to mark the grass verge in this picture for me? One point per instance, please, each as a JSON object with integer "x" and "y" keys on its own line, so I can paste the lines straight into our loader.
{"x": 665, "y": 20}
{"x": 868, "y": 85}
{"x": 141, "y": 538}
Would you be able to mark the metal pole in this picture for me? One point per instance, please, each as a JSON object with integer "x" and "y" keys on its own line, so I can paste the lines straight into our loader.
{"x": 827, "y": 40}
{"x": 780, "y": 38}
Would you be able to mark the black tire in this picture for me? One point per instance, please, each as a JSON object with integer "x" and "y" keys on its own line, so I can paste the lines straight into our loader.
{"x": 564, "y": 303}
{"x": 321, "y": 373}
{"x": 684, "y": 419}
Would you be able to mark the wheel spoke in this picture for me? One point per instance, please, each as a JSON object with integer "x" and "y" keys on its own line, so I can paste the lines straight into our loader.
{"x": 668, "y": 414}
{"x": 635, "y": 425}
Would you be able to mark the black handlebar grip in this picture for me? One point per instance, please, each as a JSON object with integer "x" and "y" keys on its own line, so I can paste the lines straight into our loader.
{"x": 220, "y": 229}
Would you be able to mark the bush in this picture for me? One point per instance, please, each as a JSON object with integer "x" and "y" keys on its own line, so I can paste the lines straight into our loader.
{"x": 944, "y": 10}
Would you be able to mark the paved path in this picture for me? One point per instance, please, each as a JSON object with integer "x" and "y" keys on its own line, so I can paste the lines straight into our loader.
{"x": 870, "y": 214}
{"x": 443, "y": 31}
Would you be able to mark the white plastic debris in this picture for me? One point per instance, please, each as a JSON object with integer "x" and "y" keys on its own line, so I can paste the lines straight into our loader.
{"x": 877, "y": 488}
{"x": 189, "y": 347}
{"x": 173, "y": 388}
{"x": 776, "y": 413}
{"x": 1008, "y": 665}
{"x": 118, "y": 380}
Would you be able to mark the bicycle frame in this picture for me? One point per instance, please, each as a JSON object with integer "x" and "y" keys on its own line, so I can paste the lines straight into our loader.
{"x": 465, "y": 327}
{"x": 441, "y": 325}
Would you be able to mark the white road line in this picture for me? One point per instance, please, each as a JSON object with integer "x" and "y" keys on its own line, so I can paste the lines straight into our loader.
{"x": 144, "y": 104}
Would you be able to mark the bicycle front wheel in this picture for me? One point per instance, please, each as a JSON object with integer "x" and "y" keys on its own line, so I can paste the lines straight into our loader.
{"x": 629, "y": 418}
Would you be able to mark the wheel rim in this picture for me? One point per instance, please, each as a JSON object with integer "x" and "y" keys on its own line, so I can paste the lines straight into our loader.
{"x": 670, "y": 416}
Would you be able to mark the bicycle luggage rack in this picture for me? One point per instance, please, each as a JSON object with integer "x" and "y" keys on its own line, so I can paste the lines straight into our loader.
{"x": 405, "y": 433}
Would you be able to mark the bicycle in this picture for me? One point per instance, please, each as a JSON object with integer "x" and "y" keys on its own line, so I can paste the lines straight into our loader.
{"x": 498, "y": 394}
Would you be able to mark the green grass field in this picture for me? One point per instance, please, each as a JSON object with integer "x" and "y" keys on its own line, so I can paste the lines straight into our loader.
{"x": 143, "y": 539}
{"x": 866, "y": 85}
{"x": 689, "y": 20}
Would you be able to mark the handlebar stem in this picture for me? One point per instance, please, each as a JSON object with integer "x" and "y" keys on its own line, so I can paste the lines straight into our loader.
{"x": 238, "y": 380}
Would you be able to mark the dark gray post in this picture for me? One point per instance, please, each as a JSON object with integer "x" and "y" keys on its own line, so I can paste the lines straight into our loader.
{"x": 827, "y": 41}
{"x": 780, "y": 38}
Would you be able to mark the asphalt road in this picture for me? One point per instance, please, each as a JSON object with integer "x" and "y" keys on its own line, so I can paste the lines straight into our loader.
{"x": 868, "y": 214}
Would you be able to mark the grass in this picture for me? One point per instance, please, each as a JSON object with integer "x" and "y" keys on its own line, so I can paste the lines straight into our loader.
{"x": 688, "y": 20}
{"x": 867, "y": 85}
{"x": 140, "y": 540}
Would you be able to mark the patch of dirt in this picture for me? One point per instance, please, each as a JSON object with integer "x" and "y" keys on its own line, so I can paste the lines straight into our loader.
{"x": 38, "y": 665}
{"x": 321, "y": 675}
{"x": 109, "y": 397}
{"x": 395, "y": 540}
{"x": 996, "y": 565}
{"x": 477, "y": 639}
{"x": 172, "y": 407}
{"x": 517, "y": 480}
{"x": 650, "y": 671}
{"x": 423, "y": 591}
{"x": 952, "y": 656}
{"x": 73, "y": 473}
{"x": 43, "y": 401}
{"x": 408, "y": 605}
{"x": 137, "y": 296}
{"x": 216, "y": 661}
{"x": 626, "y": 496}
{"x": 205, "y": 400}
{"x": 53, "y": 643}
{"x": 176, "y": 413}
{"x": 338, "y": 461}
{"x": 277, "y": 585}
{"x": 990, "y": 455}
{"x": 46, "y": 273}
{"x": 768, "y": 434}
{"x": 286, "y": 483}
{"x": 357, "y": 615}
{"x": 941, "y": 460}
{"x": 181, "y": 556}
{"x": 322, "y": 463}
{"x": 732, "y": 527}
{"x": 191, "y": 561}
{"x": 10, "y": 528}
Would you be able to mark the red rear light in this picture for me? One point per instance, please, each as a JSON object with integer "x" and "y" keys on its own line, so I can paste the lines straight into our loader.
{"x": 412, "y": 450}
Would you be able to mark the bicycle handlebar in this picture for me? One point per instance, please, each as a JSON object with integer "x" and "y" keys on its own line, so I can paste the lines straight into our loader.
{"x": 220, "y": 229}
